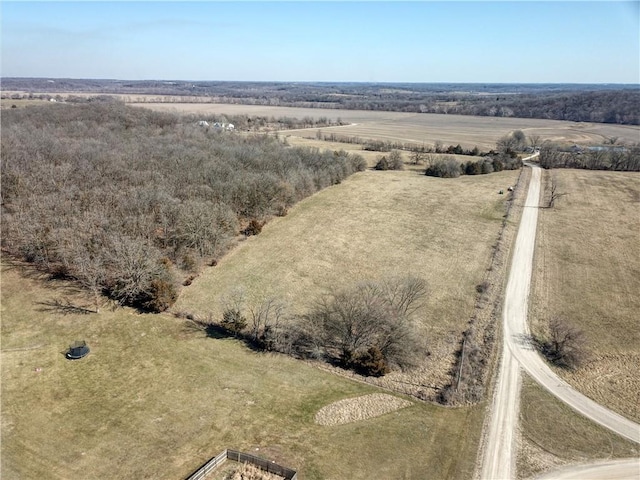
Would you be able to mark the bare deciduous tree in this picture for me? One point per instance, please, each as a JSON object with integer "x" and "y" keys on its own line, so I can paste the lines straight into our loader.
{"x": 535, "y": 141}
{"x": 566, "y": 346}
{"x": 266, "y": 320}
{"x": 417, "y": 157}
{"x": 355, "y": 324}
{"x": 395, "y": 160}
{"x": 554, "y": 194}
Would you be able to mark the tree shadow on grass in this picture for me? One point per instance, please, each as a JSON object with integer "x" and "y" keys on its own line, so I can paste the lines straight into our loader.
{"x": 211, "y": 330}
{"x": 64, "y": 307}
{"x": 217, "y": 332}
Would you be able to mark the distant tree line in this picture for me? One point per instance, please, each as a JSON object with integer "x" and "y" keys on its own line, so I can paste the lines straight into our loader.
{"x": 580, "y": 103}
{"x": 387, "y": 146}
{"x": 127, "y": 201}
{"x": 255, "y": 123}
{"x": 611, "y": 157}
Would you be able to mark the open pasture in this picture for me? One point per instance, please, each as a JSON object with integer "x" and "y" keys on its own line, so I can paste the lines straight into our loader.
{"x": 420, "y": 128}
{"x": 374, "y": 225}
{"x": 587, "y": 270}
{"x": 156, "y": 398}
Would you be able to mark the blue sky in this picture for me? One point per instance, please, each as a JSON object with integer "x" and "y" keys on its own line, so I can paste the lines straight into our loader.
{"x": 420, "y": 41}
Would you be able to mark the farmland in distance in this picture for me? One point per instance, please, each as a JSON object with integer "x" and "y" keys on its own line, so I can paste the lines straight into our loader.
{"x": 421, "y": 128}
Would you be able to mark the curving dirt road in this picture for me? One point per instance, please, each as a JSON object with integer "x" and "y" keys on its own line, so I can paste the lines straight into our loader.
{"x": 499, "y": 458}
{"x": 626, "y": 469}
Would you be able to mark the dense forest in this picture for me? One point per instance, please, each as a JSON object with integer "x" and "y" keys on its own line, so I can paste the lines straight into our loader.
{"x": 574, "y": 102}
{"x": 128, "y": 202}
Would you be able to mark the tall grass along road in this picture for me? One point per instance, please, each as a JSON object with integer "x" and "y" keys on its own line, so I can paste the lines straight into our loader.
{"x": 498, "y": 460}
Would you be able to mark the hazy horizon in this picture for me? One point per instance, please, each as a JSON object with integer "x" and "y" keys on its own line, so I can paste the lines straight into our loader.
{"x": 325, "y": 42}
{"x": 312, "y": 82}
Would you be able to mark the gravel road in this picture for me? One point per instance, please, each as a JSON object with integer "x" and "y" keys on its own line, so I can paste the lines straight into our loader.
{"x": 499, "y": 454}
{"x": 625, "y": 469}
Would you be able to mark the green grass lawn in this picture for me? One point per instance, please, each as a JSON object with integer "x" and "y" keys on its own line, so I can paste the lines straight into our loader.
{"x": 552, "y": 427}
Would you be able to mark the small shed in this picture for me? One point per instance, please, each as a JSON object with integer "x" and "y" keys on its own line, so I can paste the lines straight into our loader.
{"x": 77, "y": 349}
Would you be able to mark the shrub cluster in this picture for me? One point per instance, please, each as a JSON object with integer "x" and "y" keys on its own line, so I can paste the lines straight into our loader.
{"x": 125, "y": 199}
{"x": 394, "y": 162}
{"x": 367, "y": 328}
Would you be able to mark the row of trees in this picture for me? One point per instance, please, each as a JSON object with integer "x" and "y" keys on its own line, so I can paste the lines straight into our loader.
{"x": 618, "y": 158}
{"x": 387, "y": 146}
{"x": 447, "y": 167}
{"x": 368, "y": 328}
{"x": 127, "y": 201}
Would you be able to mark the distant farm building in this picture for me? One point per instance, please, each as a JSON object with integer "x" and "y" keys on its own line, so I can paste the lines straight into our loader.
{"x": 224, "y": 126}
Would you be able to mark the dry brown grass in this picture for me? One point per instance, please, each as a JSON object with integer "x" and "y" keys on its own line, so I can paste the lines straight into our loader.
{"x": 9, "y": 103}
{"x": 374, "y": 225}
{"x": 587, "y": 270}
{"x": 359, "y": 408}
{"x": 420, "y": 128}
{"x": 371, "y": 157}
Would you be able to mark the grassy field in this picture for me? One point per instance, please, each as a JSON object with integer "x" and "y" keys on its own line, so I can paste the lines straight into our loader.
{"x": 374, "y": 225}
{"x": 552, "y": 434}
{"x": 587, "y": 270}
{"x": 420, "y": 128}
{"x": 156, "y": 398}
{"x": 9, "y": 103}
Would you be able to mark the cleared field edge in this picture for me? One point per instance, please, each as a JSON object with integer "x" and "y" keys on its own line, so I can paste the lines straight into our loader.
{"x": 509, "y": 238}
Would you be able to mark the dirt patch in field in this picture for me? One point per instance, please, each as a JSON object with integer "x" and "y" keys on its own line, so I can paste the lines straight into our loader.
{"x": 360, "y": 408}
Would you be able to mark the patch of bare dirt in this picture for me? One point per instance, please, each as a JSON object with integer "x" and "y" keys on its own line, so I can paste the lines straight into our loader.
{"x": 359, "y": 408}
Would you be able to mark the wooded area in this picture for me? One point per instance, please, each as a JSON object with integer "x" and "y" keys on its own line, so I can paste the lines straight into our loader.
{"x": 129, "y": 201}
{"x": 615, "y": 157}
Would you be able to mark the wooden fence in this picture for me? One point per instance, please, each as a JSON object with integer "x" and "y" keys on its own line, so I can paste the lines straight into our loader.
{"x": 240, "y": 457}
